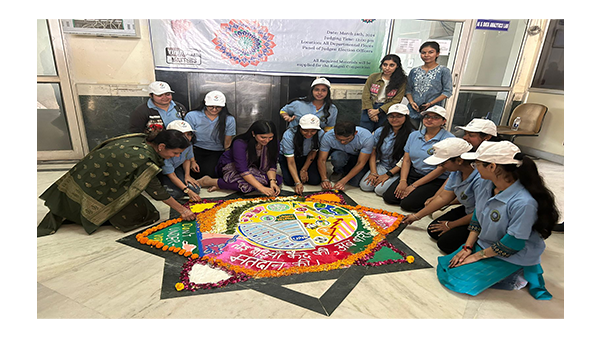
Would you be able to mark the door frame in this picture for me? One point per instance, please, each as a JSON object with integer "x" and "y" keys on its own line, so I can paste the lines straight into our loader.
{"x": 74, "y": 120}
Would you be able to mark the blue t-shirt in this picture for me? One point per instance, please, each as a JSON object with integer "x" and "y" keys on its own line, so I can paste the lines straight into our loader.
{"x": 426, "y": 86}
{"x": 167, "y": 116}
{"x": 418, "y": 149}
{"x": 387, "y": 147}
{"x": 513, "y": 212}
{"x": 463, "y": 189}
{"x": 204, "y": 127}
{"x": 172, "y": 163}
{"x": 287, "y": 143}
{"x": 300, "y": 108}
{"x": 361, "y": 143}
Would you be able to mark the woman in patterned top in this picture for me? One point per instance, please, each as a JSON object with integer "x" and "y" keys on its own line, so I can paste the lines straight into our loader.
{"x": 105, "y": 187}
{"x": 429, "y": 84}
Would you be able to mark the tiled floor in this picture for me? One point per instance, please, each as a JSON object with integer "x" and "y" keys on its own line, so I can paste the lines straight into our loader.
{"x": 93, "y": 276}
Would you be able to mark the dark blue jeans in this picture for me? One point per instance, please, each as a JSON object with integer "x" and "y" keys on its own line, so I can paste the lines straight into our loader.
{"x": 343, "y": 162}
{"x": 366, "y": 122}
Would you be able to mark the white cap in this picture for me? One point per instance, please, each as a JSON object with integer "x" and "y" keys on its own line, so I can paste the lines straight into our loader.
{"x": 309, "y": 121}
{"x": 502, "y": 152}
{"x": 436, "y": 109}
{"x": 180, "y": 125}
{"x": 214, "y": 98}
{"x": 159, "y": 88}
{"x": 398, "y": 108}
{"x": 321, "y": 80}
{"x": 447, "y": 149}
{"x": 481, "y": 126}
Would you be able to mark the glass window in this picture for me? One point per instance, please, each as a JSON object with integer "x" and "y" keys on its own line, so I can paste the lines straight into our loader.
{"x": 45, "y": 55}
{"x": 493, "y": 55}
{"x": 409, "y": 35}
{"x": 52, "y": 131}
{"x": 478, "y": 104}
{"x": 550, "y": 71}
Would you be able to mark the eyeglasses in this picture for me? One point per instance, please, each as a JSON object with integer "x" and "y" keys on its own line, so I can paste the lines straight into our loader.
{"x": 432, "y": 117}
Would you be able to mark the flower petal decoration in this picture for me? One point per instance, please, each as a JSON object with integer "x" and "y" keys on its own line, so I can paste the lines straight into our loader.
{"x": 244, "y": 42}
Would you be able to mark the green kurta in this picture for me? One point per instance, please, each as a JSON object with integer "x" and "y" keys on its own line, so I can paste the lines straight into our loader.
{"x": 106, "y": 186}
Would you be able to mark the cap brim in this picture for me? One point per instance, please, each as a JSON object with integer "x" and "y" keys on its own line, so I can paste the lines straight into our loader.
{"x": 434, "y": 160}
{"x": 469, "y": 156}
{"x": 310, "y": 127}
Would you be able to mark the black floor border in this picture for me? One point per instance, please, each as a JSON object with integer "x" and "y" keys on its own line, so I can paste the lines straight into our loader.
{"x": 345, "y": 279}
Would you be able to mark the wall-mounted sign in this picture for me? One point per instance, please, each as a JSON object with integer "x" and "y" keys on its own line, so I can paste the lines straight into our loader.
{"x": 495, "y": 25}
{"x": 101, "y": 27}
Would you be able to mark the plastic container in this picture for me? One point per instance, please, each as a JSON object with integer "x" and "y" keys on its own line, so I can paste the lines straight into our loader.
{"x": 516, "y": 123}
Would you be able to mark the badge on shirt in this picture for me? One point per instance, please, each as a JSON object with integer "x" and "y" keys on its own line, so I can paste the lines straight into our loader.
{"x": 495, "y": 215}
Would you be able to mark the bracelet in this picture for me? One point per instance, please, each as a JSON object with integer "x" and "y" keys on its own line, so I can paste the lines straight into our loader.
{"x": 482, "y": 254}
{"x": 467, "y": 247}
{"x": 185, "y": 190}
{"x": 446, "y": 224}
{"x": 325, "y": 180}
{"x": 298, "y": 183}
{"x": 272, "y": 179}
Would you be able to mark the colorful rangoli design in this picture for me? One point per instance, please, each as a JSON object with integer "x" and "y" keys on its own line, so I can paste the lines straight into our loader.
{"x": 244, "y": 42}
{"x": 272, "y": 237}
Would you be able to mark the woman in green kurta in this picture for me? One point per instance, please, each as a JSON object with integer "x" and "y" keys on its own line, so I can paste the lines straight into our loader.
{"x": 105, "y": 187}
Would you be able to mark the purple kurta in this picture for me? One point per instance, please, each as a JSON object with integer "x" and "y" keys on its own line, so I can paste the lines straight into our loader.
{"x": 233, "y": 164}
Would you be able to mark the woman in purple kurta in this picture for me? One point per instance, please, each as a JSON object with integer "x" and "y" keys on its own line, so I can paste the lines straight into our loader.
{"x": 250, "y": 164}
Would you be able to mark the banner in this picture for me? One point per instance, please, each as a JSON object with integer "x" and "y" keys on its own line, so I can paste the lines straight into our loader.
{"x": 283, "y": 47}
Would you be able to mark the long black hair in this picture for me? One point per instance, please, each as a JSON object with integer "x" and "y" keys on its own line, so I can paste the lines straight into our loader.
{"x": 257, "y": 128}
{"x": 310, "y": 98}
{"x": 299, "y": 141}
{"x": 527, "y": 173}
{"x": 400, "y": 140}
{"x": 398, "y": 77}
{"x": 219, "y": 132}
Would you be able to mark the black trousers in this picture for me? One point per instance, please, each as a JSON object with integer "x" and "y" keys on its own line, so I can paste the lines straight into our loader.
{"x": 207, "y": 160}
{"x": 453, "y": 238}
{"x": 313, "y": 172}
{"x": 415, "y": 201}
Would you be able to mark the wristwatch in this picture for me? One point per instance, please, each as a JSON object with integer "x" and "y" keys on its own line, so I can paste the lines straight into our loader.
{"x": 389, "y": 173}
{"x": 185, "y": 191}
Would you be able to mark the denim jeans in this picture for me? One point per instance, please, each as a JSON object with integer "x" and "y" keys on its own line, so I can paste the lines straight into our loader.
{"x": 343, "y": 162}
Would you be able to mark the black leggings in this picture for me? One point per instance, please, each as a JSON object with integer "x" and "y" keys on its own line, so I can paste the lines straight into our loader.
{"x": 453, "y": 238}
{"x": 415, "y": 201}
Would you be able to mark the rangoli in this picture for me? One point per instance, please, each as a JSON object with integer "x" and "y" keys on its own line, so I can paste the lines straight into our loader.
{"x": 271, "y": 237}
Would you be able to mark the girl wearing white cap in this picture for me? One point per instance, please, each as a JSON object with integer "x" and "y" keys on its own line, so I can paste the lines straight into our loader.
{"x": 450, "y": 230}
{"x": 381, "y": 91}
{"x": 419, "y": 180}
{"x": 215, "y": 127}
{"x": 160, "y": 110}
{"x": 514, "y": 213}
{"x": 298, "y": 151}
{"x": 390, "y": 140}
{"x": 318, "y": 102}
{"x": 175, "y": 175}
{"x": 479, "y": 130}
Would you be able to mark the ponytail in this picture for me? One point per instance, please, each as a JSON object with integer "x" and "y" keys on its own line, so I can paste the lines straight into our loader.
{"x": 547, "y": 212}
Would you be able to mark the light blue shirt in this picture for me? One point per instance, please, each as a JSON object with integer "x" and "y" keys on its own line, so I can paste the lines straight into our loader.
{"x": 204, "y": 128}
{"x": 418, "y": 149}
{"x": 174, "y": 162}
{"x": 512, "y": 211}
{"x": 287, "y": 143}
{"x": 426, "y": 86}
{"x": 167, "y": 116}
{"x": 463, "y": 189}
{"x": 300, "y": 108}
{"x": 361, "y": 143}
{"x": 387, "y": 147}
